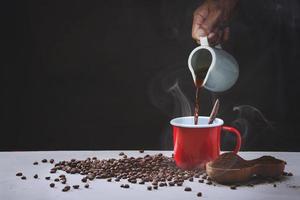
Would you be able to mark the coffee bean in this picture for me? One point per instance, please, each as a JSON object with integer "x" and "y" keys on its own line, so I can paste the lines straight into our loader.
{"x": 63, "y": 181}
{"x": 187, "y": 189}
{"x": 53, "y": 171}
{"x": 35, "y": 176}
{"x": 155, "y": 187}
{"x": 62, "y": 176}
{"x": 149, "y": 188}
{"x": 191, "y": 179}
{"x": 141, "y": 150}
{"x": 66, "y": 188}
{"x": 233, "y": 187}
{"x": 161, "y": 184}
{"x": 23, "y": 177}
{"x": 171, "y": 183}
{"x": 199, "y": 194}
{"x": 126, "y": 186}
{"x": 109, "y": 180}
{"x": 84, "y": 180}
{"x": 51, "y": 161}
{"x": 35, "y": 163}
{"x": 94, "y": 158}
{"x": 52, "y": 185}
{"x": 209, "y": 183}
{"x": 117, "y": 179}
{"x": 19, "y": 174}
{"x": 56, "y": 180}
{"x": 75, "y": 186}
{"x": 122, "y": 185}
{"x": 47, "y": 177}
{"x": 44, "y": 161}
{"x": 154, "y": 183}
{"x": 201, "y": 181}
{"x": 274, "y": 185}
{"x": 179, "y": 184}
{"x": 121, "y": 154}
{"x": 142, "y": 182}
{"x": 87, "y": 185}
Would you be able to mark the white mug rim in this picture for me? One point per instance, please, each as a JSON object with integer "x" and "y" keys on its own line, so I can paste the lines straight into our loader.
{"x": 176, "y": 122}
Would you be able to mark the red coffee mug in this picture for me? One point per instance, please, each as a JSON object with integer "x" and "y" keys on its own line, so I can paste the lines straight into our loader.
{"x": 195, "y": 145}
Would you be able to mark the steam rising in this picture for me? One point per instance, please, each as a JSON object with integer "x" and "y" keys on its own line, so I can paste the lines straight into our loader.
{"x": 182, "y": 105}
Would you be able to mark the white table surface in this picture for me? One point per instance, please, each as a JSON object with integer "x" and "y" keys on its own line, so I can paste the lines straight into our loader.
{"x": 12, "y": 187}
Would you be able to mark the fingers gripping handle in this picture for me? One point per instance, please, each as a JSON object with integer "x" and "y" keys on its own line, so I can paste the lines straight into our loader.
{"x": 238, "y": 137}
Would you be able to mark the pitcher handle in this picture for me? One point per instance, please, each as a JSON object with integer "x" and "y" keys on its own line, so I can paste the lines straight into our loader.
{"x": 204, "y": 42}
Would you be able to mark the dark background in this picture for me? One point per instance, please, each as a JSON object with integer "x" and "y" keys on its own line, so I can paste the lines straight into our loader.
{"x": 103, "y": 74}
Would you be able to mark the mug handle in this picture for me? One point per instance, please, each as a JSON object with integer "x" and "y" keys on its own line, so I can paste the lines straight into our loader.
{"x": 238, "y": 137}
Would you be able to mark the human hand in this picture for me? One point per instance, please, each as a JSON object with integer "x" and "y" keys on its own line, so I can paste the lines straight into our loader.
{"x": 211, "y": 20}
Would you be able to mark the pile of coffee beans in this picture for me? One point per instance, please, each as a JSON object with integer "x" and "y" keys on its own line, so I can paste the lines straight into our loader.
{"x": 158, "y": 170}
{"x": 153, "y": 170}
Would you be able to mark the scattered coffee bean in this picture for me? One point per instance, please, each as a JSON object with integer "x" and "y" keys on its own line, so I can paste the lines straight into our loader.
{"x": 155, "y": 187}
{"x": 66, "y": 188}
{"x": 126, "y": 186}
{"x": 56, "y": 180}
{"x": 94, "y": 158}
{"x": 290, "y": 174}
{"x": 154, "y": 183}
{"x": 171, "y": 183}
{"x": 233, "y": 187}
{"x": 62, "y": 176}
{"x": 149, "y": 188}
{"x": 109, "y": 180}
{"x": 209, "y": 183}
{"x": 47, "y": 177}
{"x": 121, "y": 154}
{"x": 191, "y": 179}
{"x": 19, "y": 174}
{"x": 51, "y": 161}
{"x": 35, "y": 176}
{"x": 141, "y": 150}
{"x": 161, "y": 184}
{"x": 53, "y": 171}
{"x": 75, "y": 186}
{"x": 63, "y": 181}
{"x": 187, "y": 189}
{"x": 117, "y": 179}
{"x": 87, "y": 185}
{"x": 52, "y": 185}
{"x": 122, "y": 185}
{"x": 274, "y": 185}
{"x": 142, "y": 182}
{"x": 199, "y": 194}
{"x": 201, "y": 181}
{"x": 44, "y": 161}
{"x": 84, "y": 180}
{"x": 23, "y": 177}
{"x": 179, "y": 184}
{"x": 35, "y": 163}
